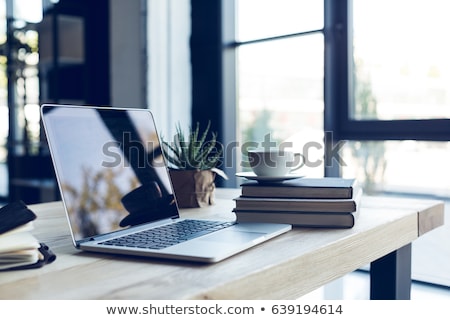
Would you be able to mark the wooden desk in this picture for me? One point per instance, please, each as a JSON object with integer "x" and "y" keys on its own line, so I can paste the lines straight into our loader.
{"x": 286, "y": 267}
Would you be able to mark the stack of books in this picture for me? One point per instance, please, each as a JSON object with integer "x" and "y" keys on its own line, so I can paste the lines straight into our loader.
{"x": 307, "y": 202}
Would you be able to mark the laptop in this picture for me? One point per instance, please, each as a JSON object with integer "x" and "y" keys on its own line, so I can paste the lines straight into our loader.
{"x": 117, "y": 193}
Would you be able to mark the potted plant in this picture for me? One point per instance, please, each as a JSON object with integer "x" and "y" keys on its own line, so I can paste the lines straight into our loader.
{"x": 193, "y": 162}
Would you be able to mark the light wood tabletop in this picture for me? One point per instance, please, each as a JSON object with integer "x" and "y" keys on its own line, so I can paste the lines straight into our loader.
{"x": 285, "y": 267}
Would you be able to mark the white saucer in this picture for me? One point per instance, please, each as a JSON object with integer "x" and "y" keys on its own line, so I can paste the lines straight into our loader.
{"x": 263, "y": 179}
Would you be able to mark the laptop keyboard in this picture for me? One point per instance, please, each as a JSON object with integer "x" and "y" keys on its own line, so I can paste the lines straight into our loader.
{"x": 168, "y": 235}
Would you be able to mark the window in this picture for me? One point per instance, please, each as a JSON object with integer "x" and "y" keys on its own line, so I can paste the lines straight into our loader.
{"x": 263, "y": 19}
{"x": 19, "y": 85}
{"x": 401, "y": 69}
{"x": 400, "y": 94}
{"x": 280, "y": 69}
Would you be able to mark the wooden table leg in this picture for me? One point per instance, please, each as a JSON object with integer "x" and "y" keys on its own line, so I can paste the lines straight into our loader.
{"x": 390, "y": 276}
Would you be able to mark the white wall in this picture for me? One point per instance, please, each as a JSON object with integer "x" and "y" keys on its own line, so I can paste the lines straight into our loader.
{"x": 169, "y": 65}
{"x": 151, "y": 68}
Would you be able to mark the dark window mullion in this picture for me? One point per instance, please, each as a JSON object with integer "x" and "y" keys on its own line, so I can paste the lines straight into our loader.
{"x": 338, "y": 69}
{"x": 427, "y": 130}
{"x": 338, "y": 66}
{"x": 206, "y": 59}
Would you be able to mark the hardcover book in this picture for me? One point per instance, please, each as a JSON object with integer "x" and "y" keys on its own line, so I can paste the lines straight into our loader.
{"x": 300, "y": 219}
{"x": 322, "y": 188}
{"x": 299, "y": 204}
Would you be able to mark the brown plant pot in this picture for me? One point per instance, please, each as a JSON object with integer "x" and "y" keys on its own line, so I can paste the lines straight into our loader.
{"x": 193, "y": 188}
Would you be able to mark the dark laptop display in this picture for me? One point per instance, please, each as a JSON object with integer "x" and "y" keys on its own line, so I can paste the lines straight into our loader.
{"x": 124, "y": 184}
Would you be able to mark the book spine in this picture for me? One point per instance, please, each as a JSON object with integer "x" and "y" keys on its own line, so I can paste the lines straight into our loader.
{"x": 273, "y": 205}
{"x": 296, "y": 193}
{"x": 315, "y": 220}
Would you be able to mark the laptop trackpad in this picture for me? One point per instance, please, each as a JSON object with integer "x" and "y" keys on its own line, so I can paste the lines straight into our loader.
{"x": 232, "y": 236}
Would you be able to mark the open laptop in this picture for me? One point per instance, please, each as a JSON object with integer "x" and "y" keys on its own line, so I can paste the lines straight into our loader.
{"x": 117, "y": 192}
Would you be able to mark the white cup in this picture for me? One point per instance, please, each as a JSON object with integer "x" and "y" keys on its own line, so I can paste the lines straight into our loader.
{"x": 274, "y": 162}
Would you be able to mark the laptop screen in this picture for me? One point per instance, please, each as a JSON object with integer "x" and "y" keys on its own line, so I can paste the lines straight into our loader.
{"x": 109, "y": 166}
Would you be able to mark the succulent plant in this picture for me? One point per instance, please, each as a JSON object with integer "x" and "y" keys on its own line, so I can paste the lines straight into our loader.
{"x": 193, "y": 151}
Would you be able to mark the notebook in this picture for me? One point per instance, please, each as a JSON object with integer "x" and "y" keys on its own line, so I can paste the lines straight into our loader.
{"x": 114, "y": 183}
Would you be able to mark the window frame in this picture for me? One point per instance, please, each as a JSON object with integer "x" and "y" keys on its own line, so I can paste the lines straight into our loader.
{"x": 339, "y": 60}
